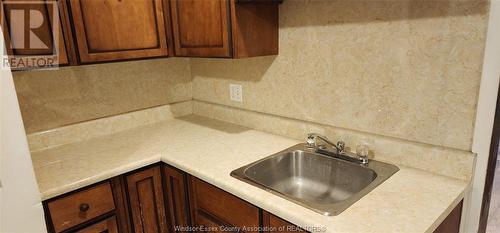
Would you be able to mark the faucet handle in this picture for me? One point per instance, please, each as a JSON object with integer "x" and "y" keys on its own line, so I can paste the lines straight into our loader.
{"x": 362, "y": 152}
{"x": 340, "y": 146}
{"x": 311, "y": 141}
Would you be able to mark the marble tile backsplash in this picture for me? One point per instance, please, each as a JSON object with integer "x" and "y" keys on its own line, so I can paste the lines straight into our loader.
{"x": 436, "y": 159}
{"x": 406, "y": 69}
{"x": 55, "y": 98}
{"x": 108, "y": 125}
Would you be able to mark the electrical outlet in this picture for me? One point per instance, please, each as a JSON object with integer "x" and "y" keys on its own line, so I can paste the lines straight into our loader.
{"x": 236, "y": 92}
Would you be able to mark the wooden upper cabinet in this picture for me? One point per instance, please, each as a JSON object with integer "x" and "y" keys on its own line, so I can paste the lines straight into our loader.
{"x": 201, "y": 28}
{"x": 33, "y": 33}
{"x": 224, "y": 28}
{"x": 107, "y": 30}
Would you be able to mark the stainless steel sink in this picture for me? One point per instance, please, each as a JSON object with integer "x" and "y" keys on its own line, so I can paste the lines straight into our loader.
{"x": 322, "y": 183}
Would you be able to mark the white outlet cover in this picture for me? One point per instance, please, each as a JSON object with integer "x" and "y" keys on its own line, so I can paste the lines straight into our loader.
{"x": 236, "y": 92}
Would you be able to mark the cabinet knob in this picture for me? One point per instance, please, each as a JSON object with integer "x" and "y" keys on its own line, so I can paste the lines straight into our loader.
{"x": 84, "y": 207}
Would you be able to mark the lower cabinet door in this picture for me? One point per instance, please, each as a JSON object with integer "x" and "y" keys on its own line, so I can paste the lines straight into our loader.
{"x": 146, "y": 202}
{"x": 208, "y": 223}
{"x": 211, "y": 206}
{"x": 105, "y": 226}
{"x": 176, "y": 195}
{"x": 274, "y": 224}
{"x": 451, "y": 224}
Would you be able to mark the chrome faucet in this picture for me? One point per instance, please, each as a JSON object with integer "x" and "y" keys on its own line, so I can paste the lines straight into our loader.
{"x": 360, "y": 157}
{"x": 312, "y": 142}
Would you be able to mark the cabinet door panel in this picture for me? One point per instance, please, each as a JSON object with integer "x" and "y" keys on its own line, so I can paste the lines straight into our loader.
{"x": 201, "y": 28}
{"x": 208, "y": 223}
{"x": 451, "y": 224}
{"x": 118, "y": 29}
{"x": 208, "y": 200}
{"x": 146, "y": 201}
{"x": 254, "y": 28}
{"x": 275, "y": 224}
{"x": 43, "y": 39}
{"x": 176, "y": 194}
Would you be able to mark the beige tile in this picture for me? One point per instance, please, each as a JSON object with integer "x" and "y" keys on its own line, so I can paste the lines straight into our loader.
{"x": 105, "y": 126}
{"x": 440, "y": 160}
{"x": 404, "y": 69}
{"x": 55, "y": 98}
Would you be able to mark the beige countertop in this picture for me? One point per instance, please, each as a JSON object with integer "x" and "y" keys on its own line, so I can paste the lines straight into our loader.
{"x": 410, "y": 201}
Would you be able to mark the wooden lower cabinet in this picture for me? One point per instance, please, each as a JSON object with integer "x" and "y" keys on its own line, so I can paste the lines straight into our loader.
{"x": 108, "y": 226}
{"x": 145, "y": 196}
{"x": 80, "y": 207}
{"x": 274, "y": 224}
{"x": 163, "y": 199}
{"x": 452, "y": 223}
{"x": 211, "y": 206}
{"x": 98, "y": 208}
{"x": 175, "y": 184}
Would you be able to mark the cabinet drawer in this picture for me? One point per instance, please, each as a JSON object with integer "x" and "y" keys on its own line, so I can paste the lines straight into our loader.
{"x": 225, "y": 207}
{"x": 81, "y": 206}
{"x": 108, "y": 226}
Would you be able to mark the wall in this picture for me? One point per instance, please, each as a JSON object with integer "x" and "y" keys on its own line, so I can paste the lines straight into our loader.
{"x": 485, "y": 116}
{"x": 55, "y": 98}
{"x": 402, "y": 69}
{"x": 21, "y": 209}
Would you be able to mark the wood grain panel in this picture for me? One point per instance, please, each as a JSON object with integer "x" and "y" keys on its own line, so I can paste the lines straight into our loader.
{"x": 120, "y": 196}
{"x": 177, "y": 198}
{"x": 451, "y": 224}
{"x": 226, "y": 208}
{"x": 255, "y": 28}
{"x": 201, "y": 28}
{"x": 108, "y": 30}
{"x": 146, "y": 201}
{"x": 68, "y": 211}
{"x": 107, "y": 226}
{"x": 209, "y": 223}
{"x": 275, "y": 224}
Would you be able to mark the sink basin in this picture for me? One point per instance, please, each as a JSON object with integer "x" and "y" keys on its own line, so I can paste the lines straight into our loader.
{"x": 322, "y": 183}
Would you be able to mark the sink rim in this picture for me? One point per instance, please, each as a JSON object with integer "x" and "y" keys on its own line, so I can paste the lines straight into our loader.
{"x": 382, "y": 171}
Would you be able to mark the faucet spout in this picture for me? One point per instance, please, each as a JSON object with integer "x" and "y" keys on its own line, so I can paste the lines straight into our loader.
{"x": 318, "y": 143}
{"x": 312, "y": 142}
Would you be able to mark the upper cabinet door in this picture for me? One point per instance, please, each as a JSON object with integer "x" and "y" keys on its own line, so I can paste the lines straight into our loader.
{"x": 201, "y": 28}
{"x": 107, "y": 30}
{"x": 225, "y": 28}
{"x": 33, "y": 34}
